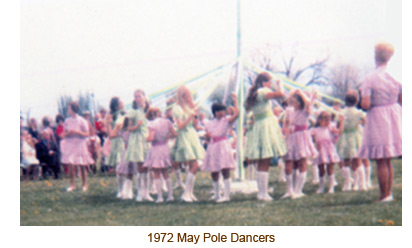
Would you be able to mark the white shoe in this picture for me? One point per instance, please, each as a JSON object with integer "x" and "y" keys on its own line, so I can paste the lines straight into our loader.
{"x": 186, "y": 198}
{"x": 193, "y": 198}
{"x": 170, "y": 199}
{"x": 287, "y": 195}
{"x": 223, "y": 199}
{"x": 319, "y": 191}
{"x": 139, "y": 198}
{"x": 148, "y": 198}
{"x": 214, "y": 197}
{"x": 331, "y": 190}
{"x": 299, "y": 195}
{"x": 265, "y": 197}
{"x": 70, "y": 189}
{"x": 160, "y": 200}
{"x": 389, "y": 198}
{"x": 119, "y": 195}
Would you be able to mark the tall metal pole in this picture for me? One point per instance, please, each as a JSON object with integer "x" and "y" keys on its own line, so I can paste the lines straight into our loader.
{"x": 240, "y": 93}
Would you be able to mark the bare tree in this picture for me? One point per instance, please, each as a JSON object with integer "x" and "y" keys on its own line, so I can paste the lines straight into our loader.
{"x": 342, "y": 78}
{"x": 276, "y": 59}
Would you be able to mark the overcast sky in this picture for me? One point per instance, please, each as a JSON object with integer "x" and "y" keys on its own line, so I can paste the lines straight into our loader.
{"x": 115, "y": 46}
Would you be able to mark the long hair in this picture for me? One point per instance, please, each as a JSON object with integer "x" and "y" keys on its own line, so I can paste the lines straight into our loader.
{"x": 251, "y": 98}
{"x": 300, "y": 101}
{"x": 146, "y": 102}
{"x": 114, "y": 107}
{"x": 185, "y": 98}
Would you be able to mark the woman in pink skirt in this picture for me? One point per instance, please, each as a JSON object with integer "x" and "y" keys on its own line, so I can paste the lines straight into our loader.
{"x": 74, "y": 145}
{"x": 298, "y": 141}
{"x": 158, "y": 158}
{"x": 323, "y": 135}
{"x": 219, "y": 156}
{"x": 382, "y": 137}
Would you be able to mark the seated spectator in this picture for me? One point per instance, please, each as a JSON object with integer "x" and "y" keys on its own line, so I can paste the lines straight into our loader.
{"x": 47, "y": 154}
{"x": 29, "y": 161}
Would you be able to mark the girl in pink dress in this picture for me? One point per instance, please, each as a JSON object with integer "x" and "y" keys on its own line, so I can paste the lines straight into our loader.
{"x": 74, "y": 145}
{"x": 158, "y": 158}
{"x": 219, "y": 157}
{"x": 323, "y": 135}
{"x": 298, "y": 141}
{"x": 382, "y": 137}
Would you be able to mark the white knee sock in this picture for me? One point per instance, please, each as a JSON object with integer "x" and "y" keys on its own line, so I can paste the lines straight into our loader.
{"x": 356, "y": 180}
{"x": 169, "y": 189}
{"x": 145, "y": 187}
{"x": 216, "y": 190}
{"x": 346, "y": 174}
{"x": 227, "y": 183}
{"x": 315, "y": 171}
{"x": 127, "y": 189}
{"x": 331, "y": 184}
{"x": 300, "y": 183}
{"x": 368, "y": 177}
{"x": 138, "y": 181}
{"x": 294, "y": 176}
{"x": 289, "y": 185}
{"x": 361, "y": 176}
{"x": 187, "y": 194}
{"x": 158, "y": 184}
{"x": 259, "y": 182}
{"x": 120, "y": 182}
{"x": 321, "y": 188}
{"x": 263, "y": 177}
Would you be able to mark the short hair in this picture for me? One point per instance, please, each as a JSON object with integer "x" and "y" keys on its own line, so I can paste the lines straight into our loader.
{"x": 74, "y": 106}
{"x": 59, "y": 117}
{"x": 152, "y": 113}
{"x": 321, "y": 116}
{"x": 217, "y": 107}
{"x": 351, "y": 98}
{"x": 45, "y": 121}
{"x": 383, "y": 52}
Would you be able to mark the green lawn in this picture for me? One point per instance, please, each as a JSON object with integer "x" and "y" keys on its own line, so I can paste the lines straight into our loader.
{"x": 47, "y": 203}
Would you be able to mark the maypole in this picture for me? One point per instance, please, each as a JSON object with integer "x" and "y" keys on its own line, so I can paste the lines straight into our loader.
{"x": 240, "y": 93}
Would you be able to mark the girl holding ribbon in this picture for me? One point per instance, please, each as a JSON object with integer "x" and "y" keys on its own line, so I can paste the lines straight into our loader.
{"x": 266, "y": 140}
{"x": 299, "y": 141}
{"x": 187, "y": 148}
{"x": 219, "y": 156}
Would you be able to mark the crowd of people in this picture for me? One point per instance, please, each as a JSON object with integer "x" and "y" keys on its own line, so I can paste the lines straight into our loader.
{"x": 143, "y": 145}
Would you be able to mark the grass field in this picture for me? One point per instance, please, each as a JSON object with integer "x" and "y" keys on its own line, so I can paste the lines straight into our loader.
{"x": 47, "y": 203}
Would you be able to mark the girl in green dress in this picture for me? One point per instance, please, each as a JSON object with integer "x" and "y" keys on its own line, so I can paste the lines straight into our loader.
{"x": 137, "y": 147}
{"x": 266, "y": 140}
{"x": 350, "y": 141}
{"x": 114, "y": 122}
{"x": 187, "y": 148}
